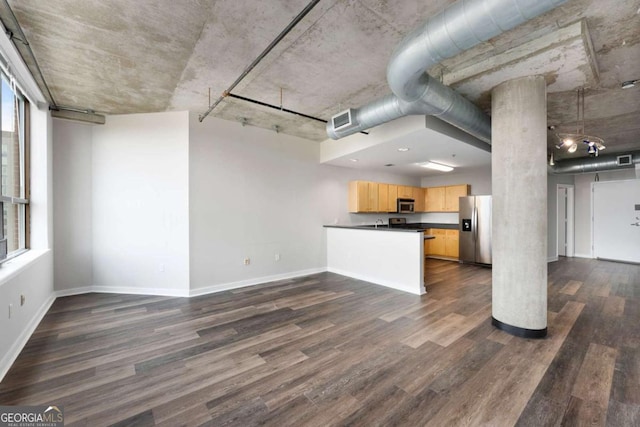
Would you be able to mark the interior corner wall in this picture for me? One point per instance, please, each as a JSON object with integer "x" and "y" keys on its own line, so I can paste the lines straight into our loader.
{"x": 73, "y": 247}
{"x": 140, "y": 204}
{"x": 583, "y": 201}
{"x": 256, "y": 194}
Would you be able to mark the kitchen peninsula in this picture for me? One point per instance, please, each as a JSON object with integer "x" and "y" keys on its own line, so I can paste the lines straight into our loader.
{"x": 384, "y": 255}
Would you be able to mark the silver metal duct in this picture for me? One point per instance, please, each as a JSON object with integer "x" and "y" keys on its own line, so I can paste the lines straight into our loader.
{"x": 596, "y": 164}
{"x": 460, "y": 26}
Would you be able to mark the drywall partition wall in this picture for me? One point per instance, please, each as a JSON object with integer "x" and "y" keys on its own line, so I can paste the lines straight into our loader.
{"x": 73, "y": 246}
{"x": 253, "y": 195}
{"x": 140, "y": 204}
{"x": 261, "y": 195}
{"x": 332, "y": 149}
{"x": 583, "y": 200}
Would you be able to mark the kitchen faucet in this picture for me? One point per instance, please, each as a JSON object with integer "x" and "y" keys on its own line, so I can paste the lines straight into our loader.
{"x": 381, "y": 222}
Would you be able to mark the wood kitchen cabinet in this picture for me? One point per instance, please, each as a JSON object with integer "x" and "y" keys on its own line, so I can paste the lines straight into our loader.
{"x": 419, "y": 197}
{"x": 435, "y": 199}
{"x": 383, "y": 197}
{"x": 437, "y": 245}
{"x": 363, "y": 196}
{"x": 451, "y": 243}
{"x": 452, "y": 197}
{"x": 392, "y": 205}
{"x": 444, "y": 245}
{"x": 405, "y": 192}
{"x": 445, "y": 199}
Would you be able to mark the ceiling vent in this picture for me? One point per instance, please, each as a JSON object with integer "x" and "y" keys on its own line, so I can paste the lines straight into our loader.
{"x": 625, "y": 160}
{"x": 344, "y": 119}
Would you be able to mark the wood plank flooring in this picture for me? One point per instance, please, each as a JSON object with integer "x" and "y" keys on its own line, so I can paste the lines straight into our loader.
{"x": 328, "y": 350}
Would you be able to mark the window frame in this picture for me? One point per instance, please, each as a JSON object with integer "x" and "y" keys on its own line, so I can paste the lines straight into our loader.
{"x": 24, "y": 221}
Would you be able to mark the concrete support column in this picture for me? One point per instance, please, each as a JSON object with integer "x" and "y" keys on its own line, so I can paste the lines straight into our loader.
{"x": 519, "y": 188}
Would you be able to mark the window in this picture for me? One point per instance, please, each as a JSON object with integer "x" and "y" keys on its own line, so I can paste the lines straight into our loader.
{"x": 14, "y": 214}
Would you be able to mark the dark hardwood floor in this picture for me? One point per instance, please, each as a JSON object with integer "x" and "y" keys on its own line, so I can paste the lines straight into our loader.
{"x": 328, "y": 350}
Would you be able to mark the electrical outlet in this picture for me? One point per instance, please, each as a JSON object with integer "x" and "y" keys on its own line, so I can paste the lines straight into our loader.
{"x": 23, "y": 299}
{"x": 161, "y": 268}
{"x": 10, "y": 310}
{"x": 277, "y": 257}
{"x": 247, "y": 261}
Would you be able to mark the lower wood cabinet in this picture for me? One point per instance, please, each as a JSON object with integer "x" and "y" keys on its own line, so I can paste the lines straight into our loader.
{"x": 444, "y": 245}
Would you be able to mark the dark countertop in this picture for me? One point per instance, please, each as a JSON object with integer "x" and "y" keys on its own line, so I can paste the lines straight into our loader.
{"x": 419, "y": 226}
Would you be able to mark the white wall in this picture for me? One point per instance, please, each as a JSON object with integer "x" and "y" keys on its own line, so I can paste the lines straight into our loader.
{"x": 583, "y": 200}
{"x": 72, "y": 211}
{"x": 30, "y": 274}
{"x": 140, "y": 204}
{"x": 255, "y": 193}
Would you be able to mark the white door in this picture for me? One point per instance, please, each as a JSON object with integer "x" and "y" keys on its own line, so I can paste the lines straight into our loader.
{"x": 616, "y": 223}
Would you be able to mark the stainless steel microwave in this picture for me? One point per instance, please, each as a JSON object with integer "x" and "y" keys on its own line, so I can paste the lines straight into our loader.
{"x": 406, "y": 206}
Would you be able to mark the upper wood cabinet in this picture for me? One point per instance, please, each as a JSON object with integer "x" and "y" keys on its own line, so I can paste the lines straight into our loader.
{"x": 383, "y": 197}
{"x": 392, "y": 205}
{"x": 452, "y": 197}
{"x": 405, "y": 192}
{"x": 435, "y": 199}
{"x": 363, "y": 196}
{"x": 445, "y": 199}
{"x": 419, "y": 197}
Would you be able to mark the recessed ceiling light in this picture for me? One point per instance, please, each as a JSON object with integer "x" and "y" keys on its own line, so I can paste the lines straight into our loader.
{"x": 436, "y": 166}
{"x": 629, "y": 84}
{"x": 403, "y": 149}
{"x": 389, "y": 164}
{"x": 353, "y": 160}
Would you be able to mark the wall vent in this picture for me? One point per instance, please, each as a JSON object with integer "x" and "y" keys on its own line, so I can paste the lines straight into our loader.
{"x": 343, "y": 119}
{"x": 625, "y": 160}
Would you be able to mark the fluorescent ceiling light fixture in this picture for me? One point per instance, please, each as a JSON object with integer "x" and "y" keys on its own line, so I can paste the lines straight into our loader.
{"x": 403, "y": 149}
{"x": 353, "y": 160}
{"x": 436, "y": 166}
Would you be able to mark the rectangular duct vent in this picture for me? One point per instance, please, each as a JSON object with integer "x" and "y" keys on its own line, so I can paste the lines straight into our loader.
{"x": 343, "y": 119}
{"x": 625, "y": 160}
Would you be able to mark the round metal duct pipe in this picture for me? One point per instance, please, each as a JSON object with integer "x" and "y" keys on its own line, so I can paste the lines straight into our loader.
{"x": 595, "y": 164}
{"x": 459, "y": 27}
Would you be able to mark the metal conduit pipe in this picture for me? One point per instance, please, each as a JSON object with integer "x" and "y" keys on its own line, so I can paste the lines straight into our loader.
{"x": 459, "y": 27}
{"x": 594, "y": 164}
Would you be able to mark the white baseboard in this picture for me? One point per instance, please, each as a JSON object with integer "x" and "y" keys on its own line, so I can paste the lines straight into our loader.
{"x": 73, "y": 291}
{"x": 19, "y": 343}
{"x": 255, "y": 281}
{"x": 577, "y": 255}
{"x": 552, "y": 259}
{"x": 141, "y": 291}
{"x": 187, "y": 293}
{"x": 377, "y": 281}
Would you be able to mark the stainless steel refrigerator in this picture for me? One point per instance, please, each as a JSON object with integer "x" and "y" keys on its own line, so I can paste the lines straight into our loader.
{"x": 475, "y": 229}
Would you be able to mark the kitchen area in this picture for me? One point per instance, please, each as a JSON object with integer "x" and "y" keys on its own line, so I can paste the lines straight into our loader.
{"x": 391, "y": 252}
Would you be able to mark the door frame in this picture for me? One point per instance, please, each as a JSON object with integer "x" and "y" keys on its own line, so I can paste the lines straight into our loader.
{"x": 570, "y": 226}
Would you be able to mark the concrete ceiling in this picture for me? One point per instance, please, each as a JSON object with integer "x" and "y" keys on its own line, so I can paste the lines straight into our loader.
{"x": 125, "y": 56}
